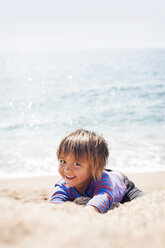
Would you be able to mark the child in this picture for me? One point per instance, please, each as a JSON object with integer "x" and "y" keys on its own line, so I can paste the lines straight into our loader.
{"x": 82, "y": 158}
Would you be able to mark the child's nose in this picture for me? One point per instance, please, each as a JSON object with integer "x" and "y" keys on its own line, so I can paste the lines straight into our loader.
{"x": 67, "y": 168}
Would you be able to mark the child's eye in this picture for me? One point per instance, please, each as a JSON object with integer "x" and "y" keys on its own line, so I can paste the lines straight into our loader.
{"x": 76, "y": 164}
{"x": 62, "y": 161}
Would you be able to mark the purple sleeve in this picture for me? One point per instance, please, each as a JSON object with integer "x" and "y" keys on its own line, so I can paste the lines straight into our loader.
{"x": 103, "y": 195}
{"x": 60, "y": 194}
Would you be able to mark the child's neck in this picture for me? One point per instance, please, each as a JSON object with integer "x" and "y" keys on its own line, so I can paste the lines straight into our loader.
{"x": 81, "y": 189}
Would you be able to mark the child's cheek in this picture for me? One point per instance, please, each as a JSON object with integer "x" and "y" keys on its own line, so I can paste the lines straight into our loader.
{"x": 60, "y": 170}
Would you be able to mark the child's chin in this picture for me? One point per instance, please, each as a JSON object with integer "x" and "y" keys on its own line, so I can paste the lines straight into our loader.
{"x": 70, "y": 184}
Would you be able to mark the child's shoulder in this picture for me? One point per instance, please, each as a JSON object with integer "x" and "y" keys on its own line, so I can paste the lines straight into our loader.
{"x": 61, "y": 183}
{"x": 106, "y": 174}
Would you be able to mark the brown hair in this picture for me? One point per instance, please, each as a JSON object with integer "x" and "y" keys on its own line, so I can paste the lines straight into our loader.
{"x": 86, "y": 145}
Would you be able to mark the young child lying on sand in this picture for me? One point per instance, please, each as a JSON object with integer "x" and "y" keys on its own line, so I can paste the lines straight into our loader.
{"x": 82, "y": 159}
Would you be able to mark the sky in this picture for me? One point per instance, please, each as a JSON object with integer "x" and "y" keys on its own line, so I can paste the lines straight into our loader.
{"x": 54, "y": 24}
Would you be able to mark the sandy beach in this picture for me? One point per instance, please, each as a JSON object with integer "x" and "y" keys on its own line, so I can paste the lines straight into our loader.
{"x": 27, "y": 219}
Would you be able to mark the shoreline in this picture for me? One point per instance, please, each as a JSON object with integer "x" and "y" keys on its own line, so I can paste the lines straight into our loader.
{"x": 55, "y": 173}
{"x": 140, "y": 178}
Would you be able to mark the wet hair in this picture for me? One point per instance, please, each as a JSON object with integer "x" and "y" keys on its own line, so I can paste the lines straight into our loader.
{"x": 83, "y": 144}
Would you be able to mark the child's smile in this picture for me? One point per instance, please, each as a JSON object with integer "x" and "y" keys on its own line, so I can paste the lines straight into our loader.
{"x": 76, "y": 174}
{"x": 69, "y": 178}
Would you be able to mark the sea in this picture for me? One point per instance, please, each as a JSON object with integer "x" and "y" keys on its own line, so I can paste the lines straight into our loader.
{"x": 45, "y": 94}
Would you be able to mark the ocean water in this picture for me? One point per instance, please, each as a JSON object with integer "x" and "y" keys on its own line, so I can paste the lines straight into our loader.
{"x": 46, "y": 94}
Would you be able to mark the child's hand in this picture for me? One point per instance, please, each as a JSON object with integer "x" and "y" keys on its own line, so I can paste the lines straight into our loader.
{"x": 92, "y": 209}
{"x": 83, "y": 201}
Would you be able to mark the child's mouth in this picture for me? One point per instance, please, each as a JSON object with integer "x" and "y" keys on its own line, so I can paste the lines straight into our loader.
{"x": 69, "y": 177}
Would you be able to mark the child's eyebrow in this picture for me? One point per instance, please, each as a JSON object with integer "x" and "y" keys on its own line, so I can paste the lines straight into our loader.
{"x": 75, "y": 160}
{"x": 80, "y": 162}
{"x": 59, "y": 158}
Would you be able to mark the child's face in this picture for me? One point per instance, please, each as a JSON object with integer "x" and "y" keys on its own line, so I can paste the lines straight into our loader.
{"x": 76, "y": 174}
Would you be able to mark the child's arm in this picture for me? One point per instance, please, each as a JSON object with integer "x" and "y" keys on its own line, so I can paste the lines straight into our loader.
{"x": 101, "y": 201}
{"x": 103, "y": 195}
{"x": 60, "y": 194}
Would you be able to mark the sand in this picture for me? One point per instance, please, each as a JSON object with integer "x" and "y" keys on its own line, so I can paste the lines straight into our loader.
{"x": 27, "y": 219}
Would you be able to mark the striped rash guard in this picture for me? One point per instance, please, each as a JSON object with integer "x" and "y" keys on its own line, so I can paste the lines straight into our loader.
{"x": 110, "y": 188}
